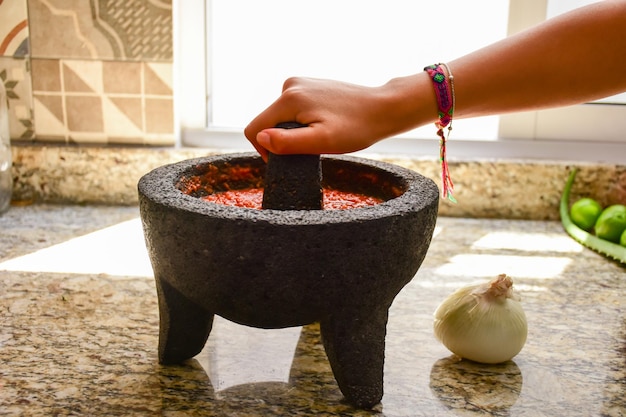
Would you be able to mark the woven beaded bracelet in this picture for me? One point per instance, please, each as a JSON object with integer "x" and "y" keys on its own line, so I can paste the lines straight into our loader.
{"x": 444, "y": 91}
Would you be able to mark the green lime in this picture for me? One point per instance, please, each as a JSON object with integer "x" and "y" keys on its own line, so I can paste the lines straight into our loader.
{"x": 585, "y": 212}
{"x": 611, "y": 223}
{"x": 622, "y": 240}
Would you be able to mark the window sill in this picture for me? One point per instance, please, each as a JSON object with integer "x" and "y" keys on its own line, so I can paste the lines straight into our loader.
{"x": 471, "y": 149}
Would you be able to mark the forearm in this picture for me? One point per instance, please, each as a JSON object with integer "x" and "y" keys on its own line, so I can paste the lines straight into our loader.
{"x": 574, "y": 58}
{"x": 567, "y": 60}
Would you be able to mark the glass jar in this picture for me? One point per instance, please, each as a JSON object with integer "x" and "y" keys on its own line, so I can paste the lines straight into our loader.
{"x": 6, "y": 163}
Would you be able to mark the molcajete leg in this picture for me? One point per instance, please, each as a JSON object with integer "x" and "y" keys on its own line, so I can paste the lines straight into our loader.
{"x": 184, "y": 327}
{"x": 355, "y": 346}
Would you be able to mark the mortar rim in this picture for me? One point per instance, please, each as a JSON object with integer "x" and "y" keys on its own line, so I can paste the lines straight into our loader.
{"x": 159, "y": 186}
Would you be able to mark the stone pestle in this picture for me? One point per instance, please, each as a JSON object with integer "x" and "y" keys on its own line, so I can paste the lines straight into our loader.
{"x": 293, "y": 182}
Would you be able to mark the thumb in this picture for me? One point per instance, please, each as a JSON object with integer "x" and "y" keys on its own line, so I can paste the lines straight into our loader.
{"x": 287, "y": 141}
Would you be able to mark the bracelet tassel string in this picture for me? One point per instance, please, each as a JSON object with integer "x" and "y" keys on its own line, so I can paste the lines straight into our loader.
{"x": 444, "y": 91}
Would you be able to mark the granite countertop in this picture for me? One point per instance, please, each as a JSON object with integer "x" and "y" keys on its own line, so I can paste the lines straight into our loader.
{"x": 79, "y": 327}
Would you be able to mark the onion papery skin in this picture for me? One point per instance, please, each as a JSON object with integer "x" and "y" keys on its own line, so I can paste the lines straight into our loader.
{"x": 475, "y": 326}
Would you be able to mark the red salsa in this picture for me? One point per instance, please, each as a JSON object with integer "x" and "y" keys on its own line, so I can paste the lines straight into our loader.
{"x": 253, "y": 198}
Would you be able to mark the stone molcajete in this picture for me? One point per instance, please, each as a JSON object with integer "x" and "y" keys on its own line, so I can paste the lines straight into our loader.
{"x": 281, "y": 268}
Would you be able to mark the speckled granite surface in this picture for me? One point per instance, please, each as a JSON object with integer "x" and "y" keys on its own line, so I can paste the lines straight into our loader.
{"x": 490, "y": 188}
{"x": 82, "y": 341}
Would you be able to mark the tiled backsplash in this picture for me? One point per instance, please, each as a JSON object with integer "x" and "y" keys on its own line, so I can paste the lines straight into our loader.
{"x": 88, "y": 71}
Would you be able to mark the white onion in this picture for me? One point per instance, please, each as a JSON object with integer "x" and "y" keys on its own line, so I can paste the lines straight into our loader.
{"x": 483, "y": 323}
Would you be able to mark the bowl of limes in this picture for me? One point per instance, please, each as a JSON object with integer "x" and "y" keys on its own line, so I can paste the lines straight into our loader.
{"x": 602, "y": 229}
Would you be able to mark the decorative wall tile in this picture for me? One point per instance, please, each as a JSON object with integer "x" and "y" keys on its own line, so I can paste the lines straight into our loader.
{"x": 137, "y": 28}
{"x": 130, "y": 107}
{"x": 158, "y": 79}
{"x": 159, "y": 115}
{"x": 90, "y": 71}
{"x": 51, "y": 118}
{"x": 122, "y": 78}
{"x": 64, "y": 28}
{"x": 99, "y": 29}
{"x": 79, "y": 120}
{"x": 13, "y": 28}
{"x": 82, "y": 76}
{"x": 103, "y": 102}
{"x": 15, "y": 75}
{"x": 46, "y": 75}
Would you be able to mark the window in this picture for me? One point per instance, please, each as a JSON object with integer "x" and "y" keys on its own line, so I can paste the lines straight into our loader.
{"x": 233, "y": 55}
{"x": 581, "y": 131}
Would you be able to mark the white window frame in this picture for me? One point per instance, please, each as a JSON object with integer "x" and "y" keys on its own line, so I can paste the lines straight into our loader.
{"x": 576, "y": 133}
